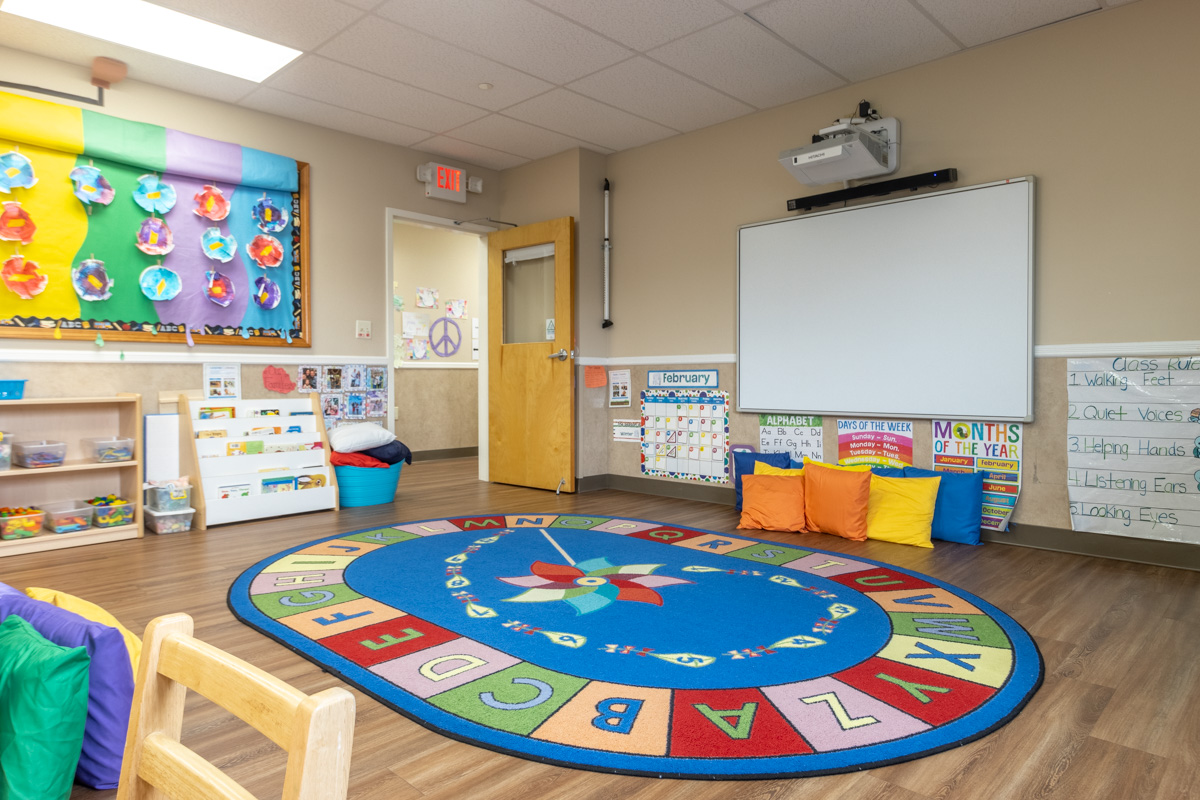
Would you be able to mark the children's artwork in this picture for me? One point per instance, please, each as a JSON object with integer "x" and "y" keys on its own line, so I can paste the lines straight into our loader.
{"x": 160, "y": 283}
{"x": 211, "y": 203}
{"x": 619, "y": 388}
{"x": 685, "y": 434}
{"x": 397, "y": 303}
{"x": 219, "y": 288}
{"x": 414, "y": 325}
{"x": 355, "y": 376}
{"x": 266, "y": 251}
{"x": 1133, "y": 446}
{"x": 154, "y": 238}
{"x": 416, "y": 349}
{"x": 277, "y": 379}
{"x": 377, "y": 378}
{"x": 91, "y": 187}
{"x": 308, "y": 378}
{"x": 91, "y": 281}
{"x": 269, "y": 217}
{"x": 875, "y": 442}
{"x": 993, "y": 448}
{"x": 152, "y": 194}
{"x": 356, "y": 406}
{"x": 331, "y": 379}
{"x": 376, "y": 404}
{"x": 266, "y": 293}
{"x": 15, "y": 223}
{"x": 16, "y": 172}
{"x": 427, "y": 298}
{"x": 331, "y": 405}
{"x": 456, "y": 309}
{"x": 799, "y": 435}
{"x": 22, "y": 278}
{"x": 218, "y": 246}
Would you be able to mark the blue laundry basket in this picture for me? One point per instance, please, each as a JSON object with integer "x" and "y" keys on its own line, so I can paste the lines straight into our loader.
{"x": 367, "y": 486}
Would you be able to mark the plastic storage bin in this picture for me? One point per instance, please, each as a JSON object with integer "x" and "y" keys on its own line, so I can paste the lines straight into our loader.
{"x": 39, "y": 454}
{"x": 166, "y": 498}
{"x": 108, "y": 448}
{"x": 12, "y": 390}
{"x": 112, "y": 514}
{"x": 67, "y": 516}
{"x": 5, "y": 450}
{"x": 21, "y": 526}
{"x": 169, "y": 521}
{"x": 367, "y": 486}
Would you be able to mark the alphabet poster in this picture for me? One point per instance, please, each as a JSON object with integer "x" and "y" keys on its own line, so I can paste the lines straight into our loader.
{"x": 877, "y": 442}
{"x": 801, "y": 436}
{"x": 993, "y": 448}
{"x": 1133, "y": 446}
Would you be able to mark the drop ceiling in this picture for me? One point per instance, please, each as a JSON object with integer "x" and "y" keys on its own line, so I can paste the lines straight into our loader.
{"x": 606, "y": 75}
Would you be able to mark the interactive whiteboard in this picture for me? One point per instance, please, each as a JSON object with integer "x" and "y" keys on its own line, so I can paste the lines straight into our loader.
{"x": 916, "y": 307}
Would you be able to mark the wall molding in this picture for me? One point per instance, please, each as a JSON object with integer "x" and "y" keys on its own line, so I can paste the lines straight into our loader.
{"x": 1091, "y": 350}
{"x": 436, "y": 365}
{"x": 113, "y": 355}
{"x": 617, "y": 361}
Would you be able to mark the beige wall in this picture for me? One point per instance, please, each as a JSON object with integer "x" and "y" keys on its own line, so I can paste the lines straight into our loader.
{"x": 437, "y": 409}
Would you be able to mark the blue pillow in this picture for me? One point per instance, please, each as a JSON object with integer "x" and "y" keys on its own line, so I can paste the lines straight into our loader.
{"x": 743, "y": 464}
{"x": 958, "y": 513}
{"x": 891, "y": 472}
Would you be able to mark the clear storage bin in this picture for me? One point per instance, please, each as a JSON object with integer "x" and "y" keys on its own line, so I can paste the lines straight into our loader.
{"x": 5, "y": 450}
{"x": 169, "y": 521}
{"x": 39, "y": 454}
{"x": 168, "y": 498}
{"x": 67, "y": 516}
{"x": 21, "y": 526}
{"x": 108, "y": 448}
{"x": 112, "y": 514}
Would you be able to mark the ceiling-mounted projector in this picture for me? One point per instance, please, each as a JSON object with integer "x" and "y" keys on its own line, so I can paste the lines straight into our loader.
{"x": 856, "y": 148}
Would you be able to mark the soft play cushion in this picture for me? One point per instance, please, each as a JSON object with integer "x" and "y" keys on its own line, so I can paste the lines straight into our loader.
{"x": 773, "y": 502}
{"x": 743, "y": 464}
{"x": 959, "y": 511}
{"x": 763, "y": 468}
{"x": 835, "y": 500}
{"x": 888, "y": 472}
{"x": 359, "y": 436}
{"x": 852, "y": 468}
{"x": 93, "y": 612}
{"x": 43, "y": 708}
{"x": 390, "y": 453}
{"x": 900, "y": 510}
{"x": 111, "y": 685}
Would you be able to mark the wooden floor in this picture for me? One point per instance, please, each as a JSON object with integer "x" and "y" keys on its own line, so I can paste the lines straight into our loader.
{"x": 1118, "y": 716}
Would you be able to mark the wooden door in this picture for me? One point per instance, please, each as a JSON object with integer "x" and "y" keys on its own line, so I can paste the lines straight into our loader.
{"x": 531, "y": 357}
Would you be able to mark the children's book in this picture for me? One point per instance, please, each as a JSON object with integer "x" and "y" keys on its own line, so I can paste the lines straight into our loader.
{"x": 210, "y": 434}
{"x": 233, "y": 490}
{"x": 281, "y": 484}
{"x": 217, "y": 412}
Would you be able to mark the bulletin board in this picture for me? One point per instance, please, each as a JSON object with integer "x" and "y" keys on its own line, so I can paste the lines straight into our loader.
{"x": 135, "y": 232}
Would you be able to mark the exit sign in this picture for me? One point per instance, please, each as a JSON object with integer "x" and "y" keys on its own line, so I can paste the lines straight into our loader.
{"x": 443, "y": 182}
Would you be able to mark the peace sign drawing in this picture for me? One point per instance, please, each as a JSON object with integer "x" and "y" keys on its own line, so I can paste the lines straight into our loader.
{"x": 445, "y": 337}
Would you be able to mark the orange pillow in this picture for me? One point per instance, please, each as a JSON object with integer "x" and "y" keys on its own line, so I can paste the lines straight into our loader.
{"x": 835, "y": 501}
{"x": 773, "y": 502}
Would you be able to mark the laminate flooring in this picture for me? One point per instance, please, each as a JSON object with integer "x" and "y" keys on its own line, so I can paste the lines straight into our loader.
{"x": 1117, "y": 717}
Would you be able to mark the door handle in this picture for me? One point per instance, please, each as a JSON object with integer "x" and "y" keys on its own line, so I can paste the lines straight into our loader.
{"x": 561, "y": 355}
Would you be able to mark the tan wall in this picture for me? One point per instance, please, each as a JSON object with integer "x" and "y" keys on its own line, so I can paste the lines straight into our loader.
{"x": 437, "y": 409}
{"x": 437, "y": 258}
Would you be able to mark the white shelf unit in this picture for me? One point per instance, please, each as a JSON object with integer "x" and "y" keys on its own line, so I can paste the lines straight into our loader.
{"x": 69, "y": 420}
{"x": 213, "y": 468}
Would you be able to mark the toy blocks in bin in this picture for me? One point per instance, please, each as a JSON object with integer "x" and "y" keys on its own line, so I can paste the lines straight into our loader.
{"x": 37, "y": 454}
{"x": 111, "y": 511}
{"x": 106, "y": 449}
{"x": 20, "y": 523}
{"x": 169, "y": 521}
{"x": 169, "y": 497}
{"x": 67, "y": 516}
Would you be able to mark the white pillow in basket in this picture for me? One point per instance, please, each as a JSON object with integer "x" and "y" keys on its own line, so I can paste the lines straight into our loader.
{"x": 359, "y": 436}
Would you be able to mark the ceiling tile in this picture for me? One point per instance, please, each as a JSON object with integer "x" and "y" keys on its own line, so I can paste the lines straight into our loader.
{"x": 587, "y": 120}
{"x": 976, "y": 23}
{"x": 641, "y": 24}
{"x": 514, "y": 136}
{"x": 283, "y": 104}
{"x": 446, "y": 147}
{"x": 302, "y": 24}
{"x": 650, "y": 90}
{"x": 740, "y": 58}
{"x": 858, "y": 39}
{"x": 513, "y": 32}
{"x": 385, "y": 48}
{"x": 337, "y": 84}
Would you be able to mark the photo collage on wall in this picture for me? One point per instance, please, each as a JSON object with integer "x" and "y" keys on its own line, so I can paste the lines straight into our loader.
{"x": 349, "y": 392}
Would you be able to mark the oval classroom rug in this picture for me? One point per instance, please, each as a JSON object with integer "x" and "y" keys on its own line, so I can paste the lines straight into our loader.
{"x": 632, "y": 646}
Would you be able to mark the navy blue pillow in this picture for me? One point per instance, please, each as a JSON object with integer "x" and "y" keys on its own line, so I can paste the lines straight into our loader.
{"x": 743, "y": 464}
{"x": 390, "y": 453}
{"x": 958, "y": 513}
{"x": 890, "y": 472}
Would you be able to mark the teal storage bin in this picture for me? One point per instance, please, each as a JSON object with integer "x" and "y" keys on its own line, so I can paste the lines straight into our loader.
{"x": 367, "y": 486}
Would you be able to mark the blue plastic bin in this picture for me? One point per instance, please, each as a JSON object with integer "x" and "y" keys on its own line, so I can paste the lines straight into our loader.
{"x": 367, "y": 486}
{"x": 12, "y": 390}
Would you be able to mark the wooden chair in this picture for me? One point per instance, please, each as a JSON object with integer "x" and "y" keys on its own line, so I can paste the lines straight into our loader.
{"x": 315, "y": 730}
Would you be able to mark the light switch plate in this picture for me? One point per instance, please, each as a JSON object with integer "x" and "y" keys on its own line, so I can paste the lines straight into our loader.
{"x": 362, "y": 329}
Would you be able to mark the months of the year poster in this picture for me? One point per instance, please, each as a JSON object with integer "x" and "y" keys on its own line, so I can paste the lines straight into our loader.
{"x": 685, "y": 434}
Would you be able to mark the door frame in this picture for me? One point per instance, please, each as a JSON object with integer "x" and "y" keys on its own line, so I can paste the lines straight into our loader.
{"x": 391, "y": 216}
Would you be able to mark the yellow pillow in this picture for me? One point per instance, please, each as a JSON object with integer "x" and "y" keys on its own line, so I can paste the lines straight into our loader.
{"x": 93, "y": 612}
{"x": 900, "y": 510}
{"x": 763, "y": 468}
{"x": 856, "y": 468}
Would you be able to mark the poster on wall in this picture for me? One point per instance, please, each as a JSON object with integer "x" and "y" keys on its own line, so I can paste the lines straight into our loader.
{"x": 993, "y": 448}
{"x": 222, "y": 381}
{"x": 619, "y": 389}
{"x": 800, "y": 435}
{"x": 1133, "y": 446}
{"x": 875, "y": 442}
{"x": 685, "y": 434}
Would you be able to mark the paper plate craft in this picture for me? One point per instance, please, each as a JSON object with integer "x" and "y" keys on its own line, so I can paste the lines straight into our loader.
{"x": 219, "y": 288}
{"x": 91, "y": 186}
{"x": 91, "y": 281}
{"x": 211, "y": 203}
{"x": 218, "y": 247}
{"x": 265, "y": 250}
{"x": 154, "y": 237}
{"x": 160, "y": 283}
{"x": 154, "y": 195}
{"x": 269, "y": 217}
{"x": 266, "y": 293}
{"x": 22, "y": 277}
{"x": 15, "y": 223}
{"x": 16, "y": 172}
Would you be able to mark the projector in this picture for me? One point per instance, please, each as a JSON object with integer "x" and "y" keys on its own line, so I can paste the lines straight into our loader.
{"x": 846, "y": 151}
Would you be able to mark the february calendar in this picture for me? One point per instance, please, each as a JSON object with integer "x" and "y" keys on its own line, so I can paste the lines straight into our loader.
{"x": 685, "y": 435}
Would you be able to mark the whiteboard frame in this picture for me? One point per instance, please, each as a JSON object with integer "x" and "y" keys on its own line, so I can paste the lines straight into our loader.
{"x": 1029, "y": 371}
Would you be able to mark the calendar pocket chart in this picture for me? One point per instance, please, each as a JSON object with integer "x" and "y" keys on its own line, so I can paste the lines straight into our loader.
{"x": 685, "y": 434}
